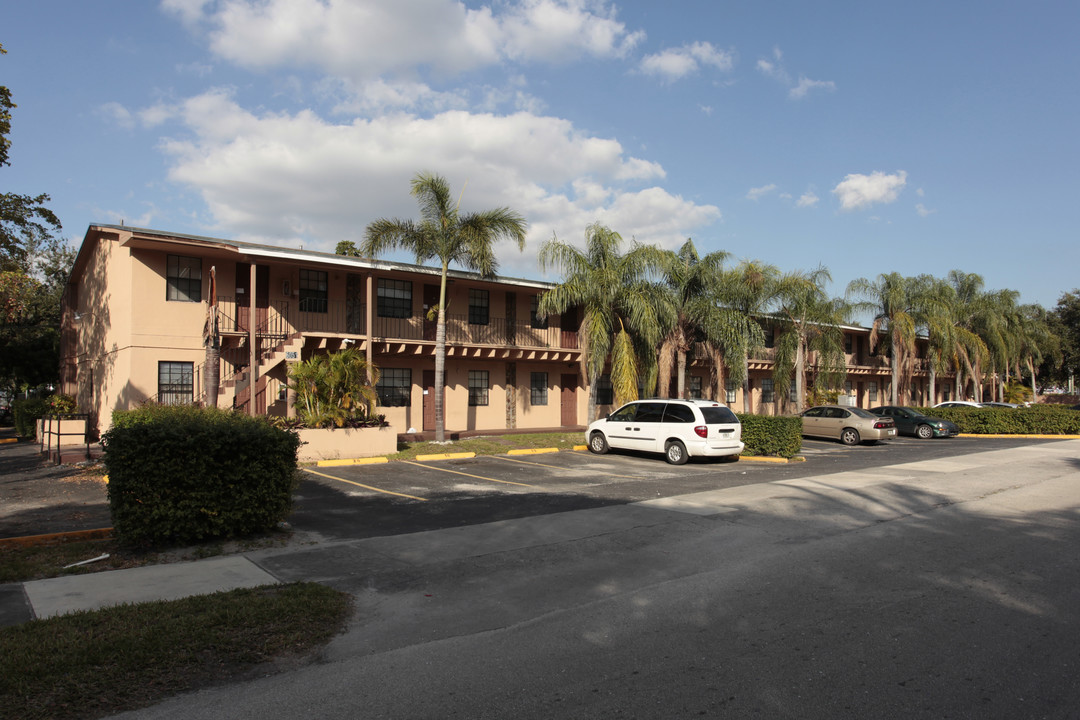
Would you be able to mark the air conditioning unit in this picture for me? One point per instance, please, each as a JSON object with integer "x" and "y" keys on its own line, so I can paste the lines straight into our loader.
{"x": 846, "y": 400}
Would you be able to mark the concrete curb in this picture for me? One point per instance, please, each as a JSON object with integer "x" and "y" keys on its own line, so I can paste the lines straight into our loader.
{"x": 5, "y": 441}
{"x": 533, "y": 451}
{"x": 771, "y": 459}
{"x": 1026, "y": 437}
{"x": 352, "y": 461}
{"x": 445, "y": 456}
{"x": 57, "y": 538}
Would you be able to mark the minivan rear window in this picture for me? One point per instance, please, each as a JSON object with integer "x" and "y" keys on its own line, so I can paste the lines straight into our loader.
{"x": 717, "y": 415}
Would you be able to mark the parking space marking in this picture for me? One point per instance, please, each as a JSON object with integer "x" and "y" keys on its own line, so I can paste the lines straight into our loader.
{"x": 526, "y": 462}
{"x": 366, "y": 487}
{"x": 458, "y": 472}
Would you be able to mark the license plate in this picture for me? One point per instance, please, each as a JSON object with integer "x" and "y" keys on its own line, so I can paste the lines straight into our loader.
{"x": 726, "y": 436}
{"x": 892, "y": 431}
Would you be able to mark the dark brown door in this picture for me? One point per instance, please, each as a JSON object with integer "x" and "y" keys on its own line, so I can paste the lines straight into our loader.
{"x": 429, "y": 400}
{"x": 243, "y": 294}
{"x": 431, "y": 299}
{"x": 569, "y": 400}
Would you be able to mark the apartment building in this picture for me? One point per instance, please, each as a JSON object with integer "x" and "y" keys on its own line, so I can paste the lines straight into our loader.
{"x": 138, "y": 302}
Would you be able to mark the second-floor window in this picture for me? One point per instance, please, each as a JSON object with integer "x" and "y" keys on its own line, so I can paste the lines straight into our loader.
{"x": 478, "y": 307}
{"x": 313, "y": 291}
{"x": 847, "y": 344}
{"x": 394, "y": 298}
{"x": 535, "y": 322}
{"x": 183, "y": 279}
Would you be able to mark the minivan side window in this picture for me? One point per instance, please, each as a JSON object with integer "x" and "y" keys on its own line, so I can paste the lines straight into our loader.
{"x": 624, "y": 414}
{"x": 676, "y": 413}
{"x": 650, "y": 412}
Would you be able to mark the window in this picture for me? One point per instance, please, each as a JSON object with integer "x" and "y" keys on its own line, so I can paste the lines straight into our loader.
{"x": 538, "y": 386}
{"x": 534, "y": 320}
{"x": 770, "y": 337}
{"x": 873, "y": 390}
{"x": 767, "y": 392}
{"x": 605, "y": 394}
{"x": 793, "y": 393}
{"x": 183, "y": 279}
{"x": 394, "y": 387}
{"x": 394, "y": 298}
{"x": 729, "y": 391}
{"x": 677, "y": 413}
{"x": 478, "y": 307}
{"x": 847, "y": 387}
{"x": 650, "y": 412}
{"x": 694, "y": 391}
{"x": 847, "y": 344}
{"x": 478, "y": 388}
{"x": 176, "y": 383}
{"x": 313, "y": 295}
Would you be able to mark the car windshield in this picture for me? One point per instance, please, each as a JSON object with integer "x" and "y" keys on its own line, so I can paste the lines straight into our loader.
{"x": 716, "y": 415}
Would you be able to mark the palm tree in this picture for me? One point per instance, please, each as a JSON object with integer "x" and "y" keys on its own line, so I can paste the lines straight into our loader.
{"x": 621, "y": 308}
{"x": 692, "y": 284}
{"x": 333, "y": 389}
{"x": 446, "y": 235}
{"x": 894, "y": 301}
{"x": 747, "y": 293}
{"x": 809, "y": 322}
{"x": 1036, "y": 341}
{"x": 967, "y": 304}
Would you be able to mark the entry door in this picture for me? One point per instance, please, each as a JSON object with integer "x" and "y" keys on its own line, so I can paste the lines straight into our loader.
{"x": 431, "y": 299}
{"x": 243, "y": 295}
{"x": 569, "y": 400}
{"x": 429, "y": 400}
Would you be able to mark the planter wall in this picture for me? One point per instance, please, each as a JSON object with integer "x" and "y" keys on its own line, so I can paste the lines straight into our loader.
{"x": 337, "y": 443}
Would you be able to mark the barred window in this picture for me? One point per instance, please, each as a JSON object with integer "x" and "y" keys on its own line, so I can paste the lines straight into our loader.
{"x": 534, "y": 319}
{"x": 605, "y": 394}
{"x": 873, "y": 390}
{"x": 394, "y": 298}
{"x": 313, "y": 291}
{"x": 183, "y": 279}
{"x": 394, "y": 387}
{"x": 729, "y": 391}
{"x": 478, "y": 307}
{"x": 768, "y": 394}
{"x": 478, "y": 388}
{"x": 176, "y": 383}
{"x": 538, "y": 386}
{"x": 694, "y": 391}
{"x": 793, "y": 393}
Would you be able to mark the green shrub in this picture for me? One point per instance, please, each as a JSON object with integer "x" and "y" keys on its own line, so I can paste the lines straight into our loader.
{"x": 27, "y": 412}
{"x": 1034, "y": 420}
{"x": 181, "y": 474}
{"x": 771, "y": 435}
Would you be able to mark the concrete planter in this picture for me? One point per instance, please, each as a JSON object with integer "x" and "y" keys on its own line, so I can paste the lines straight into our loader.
{"x": 52, "y": 431}
{"x": 337, "y": 443}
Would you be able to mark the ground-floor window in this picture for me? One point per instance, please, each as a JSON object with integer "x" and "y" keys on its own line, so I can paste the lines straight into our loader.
{"x": 478, "y": 388}
{"x": 538, "y": 388}
{"x": 729, "y": 391}
{"x": 605, "y": 394}
{"x": 394, "y": 387}
{"x": 768, "y": 394}
{"x": 176, "y": 383}
{"x": 694, "y": 391}
{"x": 793, "y": 393}
{"x": 873, "y": 390}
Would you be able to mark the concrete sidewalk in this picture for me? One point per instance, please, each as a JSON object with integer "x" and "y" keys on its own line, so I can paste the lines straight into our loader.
{"x": 330, "y": 561}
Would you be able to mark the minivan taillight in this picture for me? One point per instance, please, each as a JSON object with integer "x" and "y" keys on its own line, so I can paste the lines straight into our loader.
{"x": 702, "y": 431}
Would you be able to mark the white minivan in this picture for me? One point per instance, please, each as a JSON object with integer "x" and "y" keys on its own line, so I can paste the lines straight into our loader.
{"x": 679, "y": 429}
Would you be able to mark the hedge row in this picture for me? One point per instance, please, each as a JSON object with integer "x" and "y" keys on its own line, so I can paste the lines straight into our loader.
{"x": 26, "y": 413}
{"x": 771, "y": 435}
{"x": 1034, "y": 420}
{"x": 183, "y": 474}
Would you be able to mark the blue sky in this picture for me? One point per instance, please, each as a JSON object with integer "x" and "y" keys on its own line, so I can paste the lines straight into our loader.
{"x": 864, "y": 136}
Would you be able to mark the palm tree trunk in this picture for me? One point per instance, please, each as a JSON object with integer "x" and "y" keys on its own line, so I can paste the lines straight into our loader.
{"x": 440, "y": 361}
{"x": 212, "y": 374}
{"x": 800, "y": 377}
{"x": 894, "y": 357}
{"x": 747, "y": 405}
{"x": 682, "y": 374}
{"x": 933, "y": 388}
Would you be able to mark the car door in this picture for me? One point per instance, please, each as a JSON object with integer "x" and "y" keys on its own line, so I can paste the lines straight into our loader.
{"x": 647, "y": 431}
{"x": 834, "y": 422}
{"x": 619, "y": 427}
{"x": 811, "y": 420}
{"x": 905, "y": 420}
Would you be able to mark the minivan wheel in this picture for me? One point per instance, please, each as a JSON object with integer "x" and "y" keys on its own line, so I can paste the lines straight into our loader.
{"x": 598, "y": 444}
{"x": 849, "y": 436}
{"x": 924, "y": 431}
{"x": 675, "y": 453}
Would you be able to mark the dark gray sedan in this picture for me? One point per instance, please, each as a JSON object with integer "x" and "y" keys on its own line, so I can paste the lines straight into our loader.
{"x": 910, "y": 421}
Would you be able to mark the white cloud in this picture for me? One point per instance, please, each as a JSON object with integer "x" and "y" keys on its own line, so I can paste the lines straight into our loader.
{"x": 758, "y": 192}
{"x": 676, "y": 63}
{"x": 860, "y": 191}
{"x": 806, "y": 85}
{"x": 283, "y": 177}
{"x": 775, "y": 69}
{"x": 116, "y": 113}
{"x": 923, "y": 210}
{"x": 807, "y": 199}
{"x": 364, "y": 39}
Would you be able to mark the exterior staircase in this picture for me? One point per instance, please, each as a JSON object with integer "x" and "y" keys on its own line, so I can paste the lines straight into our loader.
{"x": 236, "y": 389}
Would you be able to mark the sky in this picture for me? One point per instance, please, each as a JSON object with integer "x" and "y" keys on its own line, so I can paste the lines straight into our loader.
{"x": 866, "y": 137}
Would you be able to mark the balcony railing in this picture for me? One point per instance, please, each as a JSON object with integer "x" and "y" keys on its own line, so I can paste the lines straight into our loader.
{"x": 283, "y": 318}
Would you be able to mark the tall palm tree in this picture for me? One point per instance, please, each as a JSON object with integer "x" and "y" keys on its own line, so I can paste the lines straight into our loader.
{"x": 748, "y": 292}
{"x": 894, "y": 301}
{"x": 967, "y": 305}
{"x": 621, "y": 307}
{"x": 809, "y": 321}
{"x": 443, "y": 233}
{"x": 692, "y": 286}
{"x": 1036, "y": 341}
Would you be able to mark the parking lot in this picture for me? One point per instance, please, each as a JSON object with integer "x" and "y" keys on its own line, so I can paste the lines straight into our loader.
{"x": 356, "y": 501}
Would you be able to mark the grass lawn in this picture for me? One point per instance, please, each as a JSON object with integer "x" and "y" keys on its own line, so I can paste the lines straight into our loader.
{"x": 491, "y": 444}
{"x": 97, "y": 663}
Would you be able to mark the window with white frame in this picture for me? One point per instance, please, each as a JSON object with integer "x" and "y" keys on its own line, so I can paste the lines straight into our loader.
{"x": 394, "y": 387}
{"x": 478, "y": 388}
{"x": 538, "y": 388}
{"x": 176, "y": 383}
{"x": 183, "y": 279}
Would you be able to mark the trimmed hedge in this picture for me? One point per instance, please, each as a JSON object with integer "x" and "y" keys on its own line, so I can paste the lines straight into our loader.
{"x": 1034, "y": 420}
{"x": 182, "y": 474}
{"x": 771, "y": 435}
{"x": 27, "y": 412}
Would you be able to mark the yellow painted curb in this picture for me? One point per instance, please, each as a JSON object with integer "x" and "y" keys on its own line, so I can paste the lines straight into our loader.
{"x": 56, "y": 538}
{"x": 581, "y": 447}
{"x": 533, "y": 451}
{"x": 769, "y": 459}
{"x": 351, "y": 461}
{"x": 5, "y": 441}
{"x": 1028, "y": 437}
{"x": 446, "y": 456}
